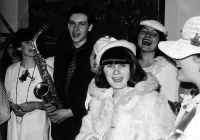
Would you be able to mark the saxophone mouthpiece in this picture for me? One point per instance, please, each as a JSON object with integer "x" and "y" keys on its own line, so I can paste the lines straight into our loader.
{"x": 45, "y": 27}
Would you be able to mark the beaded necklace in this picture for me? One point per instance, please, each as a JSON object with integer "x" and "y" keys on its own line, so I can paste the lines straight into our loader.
{"x": 28, "y": 87}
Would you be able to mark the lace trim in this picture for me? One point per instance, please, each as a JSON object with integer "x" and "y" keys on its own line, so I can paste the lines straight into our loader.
{"x": 159, "y": 63}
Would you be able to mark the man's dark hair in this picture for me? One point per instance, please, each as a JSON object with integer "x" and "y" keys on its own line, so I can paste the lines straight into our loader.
{"x": 119, "y": 55}
{"x": 80, "y": 9}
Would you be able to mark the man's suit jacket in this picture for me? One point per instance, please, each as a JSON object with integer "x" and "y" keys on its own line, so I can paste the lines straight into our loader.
{"x": 77, "y": 88}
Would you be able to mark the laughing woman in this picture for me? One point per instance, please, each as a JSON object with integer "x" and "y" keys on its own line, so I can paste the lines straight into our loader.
{"x": 28, "y": 121}
{"x": 150, "y": 33}
{"x": 130, "y": 108}
{"x": 186, "y": 52}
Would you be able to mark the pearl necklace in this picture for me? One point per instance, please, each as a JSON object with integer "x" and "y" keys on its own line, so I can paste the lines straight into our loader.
{"x": 28, "y": 87}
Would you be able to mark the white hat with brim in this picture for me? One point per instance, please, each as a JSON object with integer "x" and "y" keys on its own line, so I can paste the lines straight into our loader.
{"x": 113, "y": 44}
{"x": 178, "y": 49}
{"x": 188, "y": 44}
{"x": 154, "y": 24}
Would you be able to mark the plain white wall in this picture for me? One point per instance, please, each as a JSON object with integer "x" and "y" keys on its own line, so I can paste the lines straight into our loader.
{"x": 176, "y": 14}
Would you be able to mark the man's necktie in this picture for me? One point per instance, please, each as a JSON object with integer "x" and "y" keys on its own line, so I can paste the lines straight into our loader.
{"x": 70, "y": 72}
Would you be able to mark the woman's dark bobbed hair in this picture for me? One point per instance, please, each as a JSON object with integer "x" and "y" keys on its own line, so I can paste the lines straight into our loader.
{"x": 119, "y": 55}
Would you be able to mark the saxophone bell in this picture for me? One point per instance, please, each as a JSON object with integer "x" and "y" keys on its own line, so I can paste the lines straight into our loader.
{"x": 41, "y": 91}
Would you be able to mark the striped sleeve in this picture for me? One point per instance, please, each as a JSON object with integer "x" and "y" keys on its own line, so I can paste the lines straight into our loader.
{"x": 4, "y": 105}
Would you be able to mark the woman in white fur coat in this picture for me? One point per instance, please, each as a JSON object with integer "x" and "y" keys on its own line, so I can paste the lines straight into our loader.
{"x": 125, "y": 104}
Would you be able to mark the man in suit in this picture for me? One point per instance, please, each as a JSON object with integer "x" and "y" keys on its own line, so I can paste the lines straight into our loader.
{"x": 72, "y": 76}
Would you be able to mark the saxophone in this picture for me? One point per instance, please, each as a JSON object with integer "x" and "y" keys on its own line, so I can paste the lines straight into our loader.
{"x": 44, "y": 90}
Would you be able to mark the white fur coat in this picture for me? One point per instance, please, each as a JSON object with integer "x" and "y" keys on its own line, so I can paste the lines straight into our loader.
{"x": 142, "y": 114}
